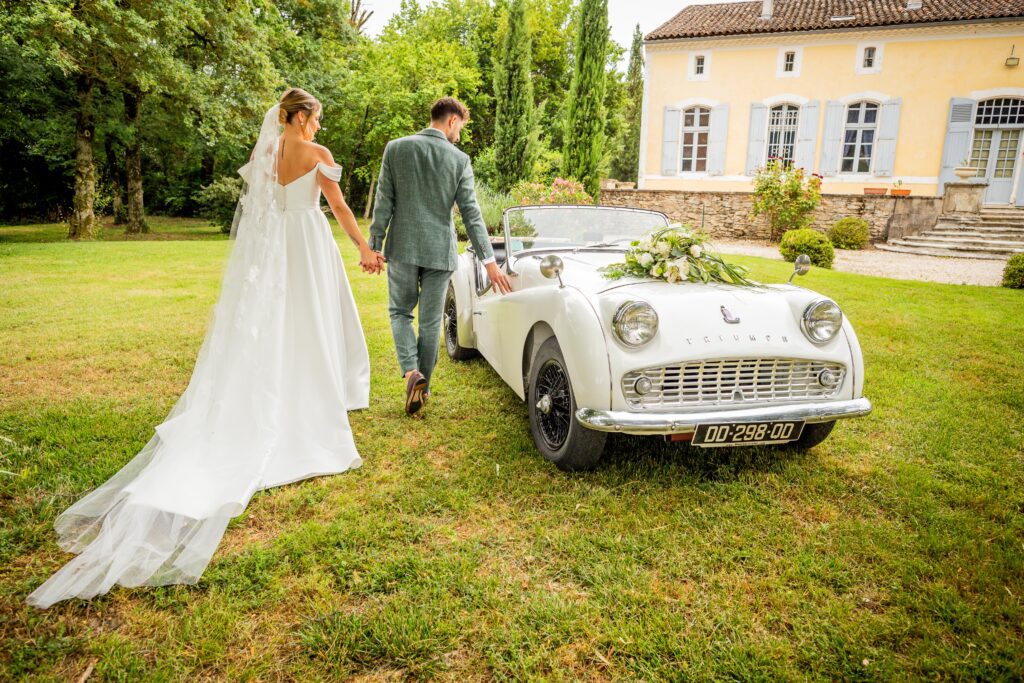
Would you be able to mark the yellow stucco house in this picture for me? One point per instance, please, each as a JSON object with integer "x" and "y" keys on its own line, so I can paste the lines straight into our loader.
{"x": 866, "y": 93}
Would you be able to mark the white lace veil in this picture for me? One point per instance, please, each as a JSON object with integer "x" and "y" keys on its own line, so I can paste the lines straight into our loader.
{"x": 259, "y": 176}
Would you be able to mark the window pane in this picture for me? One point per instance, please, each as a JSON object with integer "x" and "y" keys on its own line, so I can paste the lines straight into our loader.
{"x": 685, "y": 165}
{"x": 702, "y": 165}
{"x": 688, "y": 118}
{"x": 847, "y": 165}
{"x": 688, "y": 139}
{"x": 862, "y": 166}
{"x": 853, "y": 113}
{"x": 871, "y": 113}
{"x": 867, "y": 136}
{"x": 705, "y": 118}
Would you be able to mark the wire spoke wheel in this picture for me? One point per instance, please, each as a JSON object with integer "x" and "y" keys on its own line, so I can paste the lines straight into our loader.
{"x": 451, "y": 324}
{"x": 553, "y": 392}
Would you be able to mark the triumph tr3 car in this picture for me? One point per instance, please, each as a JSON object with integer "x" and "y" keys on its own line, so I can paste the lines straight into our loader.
{"x": 709, "y": 363}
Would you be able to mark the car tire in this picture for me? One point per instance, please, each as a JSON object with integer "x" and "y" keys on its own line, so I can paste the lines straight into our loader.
{"x": 556, "y": 432}
{"x": 450, "y": 325}
{"x": 814, "y": 434}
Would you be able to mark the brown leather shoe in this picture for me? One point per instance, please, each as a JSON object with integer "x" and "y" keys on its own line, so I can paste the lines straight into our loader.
{"x": 414, "y": 388}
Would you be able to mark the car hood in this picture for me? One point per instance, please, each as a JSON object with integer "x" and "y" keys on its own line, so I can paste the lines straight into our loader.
{"x": 697, "y": 318}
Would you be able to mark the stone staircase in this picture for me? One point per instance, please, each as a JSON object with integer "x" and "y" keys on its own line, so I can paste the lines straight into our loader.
{"x": 994, "y": 233}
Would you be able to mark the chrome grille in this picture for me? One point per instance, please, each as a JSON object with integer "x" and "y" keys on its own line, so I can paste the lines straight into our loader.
{"x": 741, "y": 381}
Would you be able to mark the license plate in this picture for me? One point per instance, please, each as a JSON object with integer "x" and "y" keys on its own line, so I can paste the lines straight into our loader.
{"x": 747, "y": 434}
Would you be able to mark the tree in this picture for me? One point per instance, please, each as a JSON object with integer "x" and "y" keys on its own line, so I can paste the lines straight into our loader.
{"x": 584, "y": 128}
{"x": 627, "y": 161}
{"x": 359, "y": 16}
{"x": 514, "y": 124}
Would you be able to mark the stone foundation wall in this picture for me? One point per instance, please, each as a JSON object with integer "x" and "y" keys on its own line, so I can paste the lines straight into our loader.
{"x": 727, "y": 214}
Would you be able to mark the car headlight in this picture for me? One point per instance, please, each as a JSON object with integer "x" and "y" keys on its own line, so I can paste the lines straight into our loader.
{"x": 635, "y": 323}
{"x": 821, "y": 321}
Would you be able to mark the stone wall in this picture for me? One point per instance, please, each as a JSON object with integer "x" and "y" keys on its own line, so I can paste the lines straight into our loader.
{"x": 727, "y": 214}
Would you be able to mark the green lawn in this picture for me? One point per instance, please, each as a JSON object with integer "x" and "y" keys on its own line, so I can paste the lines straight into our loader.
{"x": 893, "y": 550}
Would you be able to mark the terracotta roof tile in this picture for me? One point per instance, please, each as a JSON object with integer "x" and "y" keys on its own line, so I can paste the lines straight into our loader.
{"x": 739, "y": 18}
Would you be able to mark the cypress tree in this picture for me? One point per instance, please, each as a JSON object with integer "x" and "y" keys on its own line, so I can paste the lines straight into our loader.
{"x": 627, "y": 163}
{"x": 514, "y": 136}
{"x": 584, "y": 127}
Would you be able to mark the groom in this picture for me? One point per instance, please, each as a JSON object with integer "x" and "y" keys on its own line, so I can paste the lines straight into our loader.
{"x": 421, "y": 177}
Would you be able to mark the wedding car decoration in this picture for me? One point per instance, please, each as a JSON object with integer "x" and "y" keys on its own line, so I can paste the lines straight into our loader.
{"x": 677, "y": 254}
{"x": 690, "y": 353}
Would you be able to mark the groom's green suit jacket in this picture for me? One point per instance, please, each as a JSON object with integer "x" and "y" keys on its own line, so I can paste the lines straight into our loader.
{"x": 421, "y": 178}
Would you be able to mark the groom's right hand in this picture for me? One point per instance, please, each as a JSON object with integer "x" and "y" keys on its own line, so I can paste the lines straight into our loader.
{"x": 498, "y": 278}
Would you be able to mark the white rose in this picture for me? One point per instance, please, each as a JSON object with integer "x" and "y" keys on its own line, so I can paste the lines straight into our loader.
{"x": 645, "y": 259}
{"x": 682, "y": 264}
{"x": 645, "y": 244}
{"x": 696, "y": 251}
{"x": 664, "y": 248}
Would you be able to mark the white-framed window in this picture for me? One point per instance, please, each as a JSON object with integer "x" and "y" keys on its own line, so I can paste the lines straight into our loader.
{"x": 789, "y": 62}
{"x": 869, "y": 58}
{"x": 859, "y": 137}
{"x": 783, "y": 121}
{"x": 693, "y": 140}
{"x": 700, "y": 66}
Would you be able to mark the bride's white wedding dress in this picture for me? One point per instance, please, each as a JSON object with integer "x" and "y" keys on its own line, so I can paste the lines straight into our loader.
{"x": 284, "y": 358}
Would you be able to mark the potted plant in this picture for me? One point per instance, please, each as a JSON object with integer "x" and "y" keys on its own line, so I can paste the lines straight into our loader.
{"x": 965, "y": 170}
{"x": 875, "y": 190}
{"x": 898, "y": 190}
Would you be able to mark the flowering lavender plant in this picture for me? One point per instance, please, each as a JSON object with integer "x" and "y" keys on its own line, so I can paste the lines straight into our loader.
{"x": 677, "y": 254}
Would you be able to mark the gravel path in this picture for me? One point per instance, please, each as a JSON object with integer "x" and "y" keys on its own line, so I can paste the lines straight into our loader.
{"x": 956, "y": 271}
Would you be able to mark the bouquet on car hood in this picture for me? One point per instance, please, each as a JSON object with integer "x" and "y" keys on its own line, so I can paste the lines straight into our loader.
{"x": 677, "y": 254}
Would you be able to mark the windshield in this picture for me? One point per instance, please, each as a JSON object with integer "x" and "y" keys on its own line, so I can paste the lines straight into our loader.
{"x": 570, "y": 227}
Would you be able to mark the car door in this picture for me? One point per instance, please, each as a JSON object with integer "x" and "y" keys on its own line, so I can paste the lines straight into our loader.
{"x": 485, "y": 316}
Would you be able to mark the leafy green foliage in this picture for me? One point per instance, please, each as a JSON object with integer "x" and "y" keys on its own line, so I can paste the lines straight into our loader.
{"x": 218, "y": 201}
{"x": 807, "y": 241}
{"x": 677, "y": 254}
{"x": 515, "y": 137}
{"x": 786, "y": 195}
{"x": 584, "y": 128}
{"x": 626, "y": 163}
{"x": 850, "y": 233}
{"x": 559, "y": 191}
{"x": 492, "y": 206}
{"x": 1013, "y": 274}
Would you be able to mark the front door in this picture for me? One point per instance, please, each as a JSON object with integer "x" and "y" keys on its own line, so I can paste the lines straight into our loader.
{"x": 996, "y": 154}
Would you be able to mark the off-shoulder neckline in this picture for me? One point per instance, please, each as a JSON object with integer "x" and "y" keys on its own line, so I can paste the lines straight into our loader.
{"x": 315, "y": 167}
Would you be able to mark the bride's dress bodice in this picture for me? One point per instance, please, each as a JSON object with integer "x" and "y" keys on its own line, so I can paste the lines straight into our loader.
{"x": 304, "y": 191}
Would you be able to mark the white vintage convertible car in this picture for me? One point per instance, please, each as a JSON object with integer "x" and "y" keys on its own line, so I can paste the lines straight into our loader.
{"x": 712, "y": 364}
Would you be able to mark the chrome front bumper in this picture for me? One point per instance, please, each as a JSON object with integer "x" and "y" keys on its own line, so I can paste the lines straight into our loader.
{"x": 685, "y": 423}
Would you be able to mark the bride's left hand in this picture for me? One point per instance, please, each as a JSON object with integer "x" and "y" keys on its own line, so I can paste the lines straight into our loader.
{"x": 371, "y": 261}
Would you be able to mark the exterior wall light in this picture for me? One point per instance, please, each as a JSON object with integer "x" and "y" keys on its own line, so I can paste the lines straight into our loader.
{"x": 1012, "y": 61}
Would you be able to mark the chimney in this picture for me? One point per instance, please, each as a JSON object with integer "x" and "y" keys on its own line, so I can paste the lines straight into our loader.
{"x": 766, "y": 9}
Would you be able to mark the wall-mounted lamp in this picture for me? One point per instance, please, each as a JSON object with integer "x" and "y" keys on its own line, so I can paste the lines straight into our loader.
{"x": 1012, "y": 61}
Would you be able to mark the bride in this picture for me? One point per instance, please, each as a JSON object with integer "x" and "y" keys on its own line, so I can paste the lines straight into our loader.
{"x": 284, "y": 358}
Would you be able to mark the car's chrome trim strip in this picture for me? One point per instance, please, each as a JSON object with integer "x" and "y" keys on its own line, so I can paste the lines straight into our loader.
{"x": 685, "y": 423}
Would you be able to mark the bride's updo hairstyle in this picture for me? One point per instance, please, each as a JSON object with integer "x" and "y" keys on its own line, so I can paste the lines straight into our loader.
{"x": 295, "y": 100}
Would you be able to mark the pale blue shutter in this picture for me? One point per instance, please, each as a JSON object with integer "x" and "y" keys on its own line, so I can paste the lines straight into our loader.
{"x": 756, "y": 137}
{"x": 716, "y": 139}
{"x": 832, "y": 138}
{"x": 959, "y": 130}
{"x": 807, "y": 136}
{"x": 1020, "y": 184}
{"x": 888, "y": 130}
{"x": 670, "y": 142}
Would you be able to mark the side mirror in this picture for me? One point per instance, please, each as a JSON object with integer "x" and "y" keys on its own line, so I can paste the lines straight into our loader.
{"x": 801, "y": 266}
{"x": 551, "y": 267}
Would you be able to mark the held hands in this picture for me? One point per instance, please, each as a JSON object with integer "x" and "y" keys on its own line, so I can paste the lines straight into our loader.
{"x": 498, "y": 278}
{"x": 371, "y": 262}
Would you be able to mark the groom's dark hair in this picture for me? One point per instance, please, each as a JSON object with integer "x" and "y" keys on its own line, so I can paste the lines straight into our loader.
{"x": 448, "y": 106}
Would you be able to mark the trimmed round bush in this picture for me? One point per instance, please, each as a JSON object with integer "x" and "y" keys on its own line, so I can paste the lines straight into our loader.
{"x": 217, "y": 201}
{"x": 807, "y": 241}
{"x": 1013, "y": 274}
{"x": 850, "y": 233}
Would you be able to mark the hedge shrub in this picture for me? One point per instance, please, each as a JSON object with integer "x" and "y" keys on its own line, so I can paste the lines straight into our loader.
{"x": 1013, "y": 274}
{"x": 217, "y": 201}
{"x": 850, "y": 233}
{"x": 807, "y": 241}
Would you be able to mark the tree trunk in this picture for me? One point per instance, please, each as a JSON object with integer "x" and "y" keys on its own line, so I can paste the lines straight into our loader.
{"x": 369, "y": 197}
{"x": 133, "y": 164}
{"x": 82, "y": 224}
{"x": 116, "y": 186}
